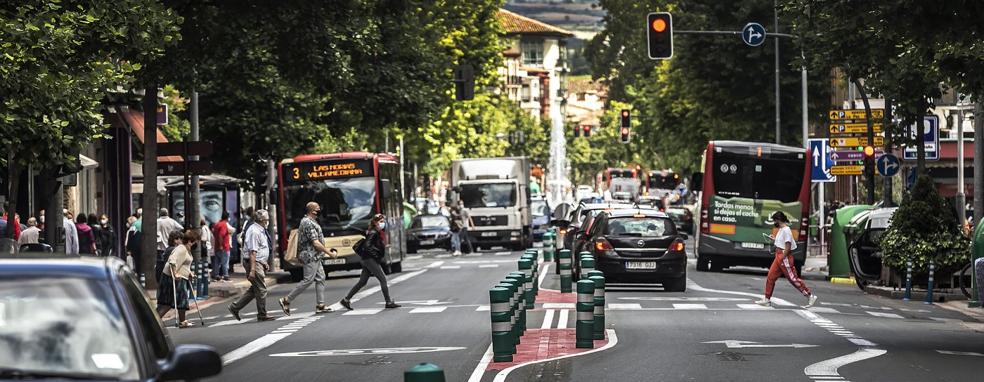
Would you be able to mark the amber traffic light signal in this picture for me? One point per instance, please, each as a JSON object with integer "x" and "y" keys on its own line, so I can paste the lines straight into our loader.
{"x": 869, "y": 152}
{"x": 659, "y": 35}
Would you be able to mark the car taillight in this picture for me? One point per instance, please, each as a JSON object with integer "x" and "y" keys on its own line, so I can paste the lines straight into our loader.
{"x": 677, "y": 246}
{"x": 602, "y": 245}
{"x": 705, "y": 226}
{"x": 563, "y": 231}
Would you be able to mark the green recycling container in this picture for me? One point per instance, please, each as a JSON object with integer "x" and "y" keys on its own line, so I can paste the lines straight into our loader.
{"x": 837, "y": 260}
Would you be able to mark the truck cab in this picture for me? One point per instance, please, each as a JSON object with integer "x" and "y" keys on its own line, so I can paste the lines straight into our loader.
{"x": 495, "y": 193}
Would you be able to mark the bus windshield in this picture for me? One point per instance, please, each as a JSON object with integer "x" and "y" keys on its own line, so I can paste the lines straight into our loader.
{"x": 757, "y": 178}
{"x": 479, "y": 195}
{"x": 346, "y": 204}
{"x": 666, "y": 182}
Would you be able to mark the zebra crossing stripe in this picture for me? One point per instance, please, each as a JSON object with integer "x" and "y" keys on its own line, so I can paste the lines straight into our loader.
{"x": 363, "y": 312}
{"x": 548, "y": 319}
{"x": 690, "y": 306}
{"x": 429, "y": 309}
{"x": 884, "y": 315}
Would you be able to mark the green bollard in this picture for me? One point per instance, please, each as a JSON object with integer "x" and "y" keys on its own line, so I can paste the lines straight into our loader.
{"x": 565, "y": 271}
{"x": 424, "y": 372}
{"x": 548, "y": 246}
{"x": 521, "y": 277}
{"x": 513, "y": 313}
{"x": 526, "y": 266}
{"x": 503, "y": 346}
{"x": 584, "y": 327}
{"x": 599, "y": 305}
{"x": 517, "y": 306}
{"x": 587, "y": 264}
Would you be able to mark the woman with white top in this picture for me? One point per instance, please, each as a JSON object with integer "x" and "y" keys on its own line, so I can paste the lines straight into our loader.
{"x": 783, "y": 262}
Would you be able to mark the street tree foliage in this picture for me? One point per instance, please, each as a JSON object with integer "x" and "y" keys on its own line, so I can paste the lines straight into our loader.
{"x": 60, "y": 59}
{"x": 714, "y": 87}
{"x": 925, "y": 229}
{"x": 590, "y": 155}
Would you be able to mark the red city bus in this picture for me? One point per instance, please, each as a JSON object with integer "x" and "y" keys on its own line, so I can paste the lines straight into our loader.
{"x": 742, "y": 185}
{"x": 351, "y": 188}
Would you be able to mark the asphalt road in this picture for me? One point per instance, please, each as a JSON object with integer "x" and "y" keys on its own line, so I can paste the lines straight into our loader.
{"x": 711, "y": 332}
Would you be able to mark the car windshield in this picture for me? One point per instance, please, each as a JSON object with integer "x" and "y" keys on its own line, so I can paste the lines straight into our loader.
{"x": 430, "y": 222}
{"x": 540, "y": 208}
{"x": 478, "y": 195}
{"x": 346, "y": 204}
{"x": 646, "y": 226}
{"x": 63, "y": 326}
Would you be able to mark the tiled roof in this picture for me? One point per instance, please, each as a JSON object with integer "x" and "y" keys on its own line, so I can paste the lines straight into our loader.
{"x": 517, "y": 24}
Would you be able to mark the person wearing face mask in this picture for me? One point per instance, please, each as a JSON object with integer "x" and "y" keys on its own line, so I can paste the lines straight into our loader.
{"x": 256, "y": 246}
{"x": 373, "y": 250}
{"x": 782, "y": 265}
{"x": 175, "y": 287}
{"x": 310, "y": 250}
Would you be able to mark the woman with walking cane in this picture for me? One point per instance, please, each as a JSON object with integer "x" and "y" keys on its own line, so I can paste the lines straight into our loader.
{"x": 175, "y": 287}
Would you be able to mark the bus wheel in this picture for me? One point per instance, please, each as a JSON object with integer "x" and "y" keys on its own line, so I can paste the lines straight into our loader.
{"x": 703, "y": 263}
{"x": 717, "y": 265}
{"x": 296, "y": 274}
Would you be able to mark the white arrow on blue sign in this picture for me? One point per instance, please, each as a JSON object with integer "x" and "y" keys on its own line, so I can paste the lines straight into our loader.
{"x": 820, "y": 162}
{"x": 753, "y": 34}
{"x": 888, "y": 165}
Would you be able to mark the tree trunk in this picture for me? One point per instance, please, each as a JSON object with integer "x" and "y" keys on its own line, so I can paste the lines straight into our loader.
{"x": 148, "y": 242}
{"x": 869, "y": 165}
{"x": 13, "y": 183}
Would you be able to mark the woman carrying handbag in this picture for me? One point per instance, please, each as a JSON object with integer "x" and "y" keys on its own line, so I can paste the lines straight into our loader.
{"x": 371, "y": 253}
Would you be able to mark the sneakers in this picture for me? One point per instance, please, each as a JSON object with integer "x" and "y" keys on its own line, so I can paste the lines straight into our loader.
{"x": 346, "y": 303}
{"x": 392, "y": 305}
{"x": 813, "y": 301}
{"x": 456, "y": 253}
{"x": 285, "y": 305}
{"x": 235, "y": 313}
{"x": 322, "y": 309}
{"x": 764, "y": 302}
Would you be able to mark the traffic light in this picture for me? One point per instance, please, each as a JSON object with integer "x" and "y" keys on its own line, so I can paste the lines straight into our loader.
{"x": 625, "y": 134}
{"x": 659, "y": 33}
{"x": 587, "y": 131}
{"x": 577, "y": 131}
{"x": 869, "y": 152}
{"x": 624, "y": 120}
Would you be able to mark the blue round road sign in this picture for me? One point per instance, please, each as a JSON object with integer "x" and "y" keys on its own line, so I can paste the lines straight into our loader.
{"x": 753, "y": 34}
{"x": 888, "y": 165}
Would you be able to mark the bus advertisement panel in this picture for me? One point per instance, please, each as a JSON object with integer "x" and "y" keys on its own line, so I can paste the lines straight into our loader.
{"x": 351, "y": 188}
{"x": 743, "y": 184}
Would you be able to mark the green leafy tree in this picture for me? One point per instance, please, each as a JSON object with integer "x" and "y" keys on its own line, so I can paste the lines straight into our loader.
{"x": 925, "y": 229}
{"x": 59, "y": 60}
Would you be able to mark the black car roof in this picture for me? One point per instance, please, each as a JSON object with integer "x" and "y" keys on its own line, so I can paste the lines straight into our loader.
{"x": 637, "y": 211}
{"x": 599, "y": 206}
{"x": 64, "y": 266}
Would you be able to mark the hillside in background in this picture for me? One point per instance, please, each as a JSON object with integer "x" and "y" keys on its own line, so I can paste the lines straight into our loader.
{"x": 582, "y": 17}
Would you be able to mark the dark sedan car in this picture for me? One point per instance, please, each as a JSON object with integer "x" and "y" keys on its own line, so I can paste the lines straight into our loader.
{"x": 639, "y": 245}
{"x": 429, "y": 231}
{"x": 87, "y": 319}
{"x": 683, "y": 219}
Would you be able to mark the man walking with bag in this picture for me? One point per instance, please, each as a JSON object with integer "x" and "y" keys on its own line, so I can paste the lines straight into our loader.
{"x": 310, "y": 251}
{"x": 257, "y": 246}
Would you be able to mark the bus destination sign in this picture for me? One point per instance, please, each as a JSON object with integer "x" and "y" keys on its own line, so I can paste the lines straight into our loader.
{"x": 329, "y": 170}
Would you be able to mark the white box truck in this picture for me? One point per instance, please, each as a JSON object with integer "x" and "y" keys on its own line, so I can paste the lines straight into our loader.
{"x": 496, "y": 193}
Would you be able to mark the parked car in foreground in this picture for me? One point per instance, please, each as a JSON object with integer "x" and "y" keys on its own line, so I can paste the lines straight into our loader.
{"x": 70, "y": 318}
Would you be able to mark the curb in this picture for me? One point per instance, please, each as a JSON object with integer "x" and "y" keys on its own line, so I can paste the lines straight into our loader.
{"x": 917, "y": 294}
{"x": 842, "y": 280}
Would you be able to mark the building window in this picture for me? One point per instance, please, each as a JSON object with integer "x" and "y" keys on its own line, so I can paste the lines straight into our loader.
{"x": 532, "y": 51}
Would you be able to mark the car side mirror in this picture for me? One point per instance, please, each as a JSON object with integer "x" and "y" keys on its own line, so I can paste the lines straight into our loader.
{"x": 190, "y": 362}
{"x": 696, "y": 181}
{"x": 684, "y": 236}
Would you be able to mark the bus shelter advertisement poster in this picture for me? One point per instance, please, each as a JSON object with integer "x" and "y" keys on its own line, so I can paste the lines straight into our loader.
{"x": 744, "y": 220}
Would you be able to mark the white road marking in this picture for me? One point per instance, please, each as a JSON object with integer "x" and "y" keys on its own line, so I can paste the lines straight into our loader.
{"x": 836, "y": 304}
{"x": 829, "y": 367}
{"x": 968, "y": 353}
{"x": 736, "y": 344}
{"x": 562, "y": 318}
{"x": 473, "y": 255}
{"x": 691, "y": 285}
{"x": 479, "y": 372}
{"x": 488, "y": 266}
{"x": 690, "y": 306}
{"x": 947, "y": 320}
{"x": 833, "y": 327}
{"x": 548, "y": 319}
{"x": 494, "y": 261}
{"x": 914, "y": 310}
{"x": 483, "y": 308}
{"x": 861, "y": 342}
{"x": 820, "y": 309}
{"x": 754, "y": 307}
{"x": 558, "y": 305}
{"x": 501, "y": 377}
{"x": 442, "y": 256}
{"x": 503, "y": 253}
{"x": 683, "y": 298}
{"x": 363, "y": 312}
{"x": 435, "y": 264}
{"x": 543, "y": 274}
{"x": 614, "y": 306}
{"x": 884, "y": 315}
{"x": 432, "y": 309}
{"x": 378, "y": 351}
{"x": 270, "y": 339}
{"x": 295, "y": 316}
{"x": 417, "y": 257}
{"x": 451, "y": 267}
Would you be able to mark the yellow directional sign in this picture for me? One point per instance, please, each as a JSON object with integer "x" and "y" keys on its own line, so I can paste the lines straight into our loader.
{"x": 855, "y": 141}
{"x": 847, "y": 170}
{"x": 851, "y": 128}
{"x": 855, "y": 114}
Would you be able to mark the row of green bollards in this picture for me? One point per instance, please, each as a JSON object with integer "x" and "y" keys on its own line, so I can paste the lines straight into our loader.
{"x": 509, "y": 301}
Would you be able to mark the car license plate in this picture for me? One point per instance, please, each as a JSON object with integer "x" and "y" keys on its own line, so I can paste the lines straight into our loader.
{"x": 333, "y": 261}
{"x": 753, "y": 245}
{"x": 640, "y": 265}
{"x": 488, "y": 234}
{"x": 427, "y": 242}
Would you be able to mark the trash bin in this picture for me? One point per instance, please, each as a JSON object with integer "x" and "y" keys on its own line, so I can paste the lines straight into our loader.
{"x": 838, "y": 262}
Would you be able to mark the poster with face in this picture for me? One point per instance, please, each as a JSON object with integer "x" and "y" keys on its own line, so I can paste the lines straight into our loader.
{"x": 210, "y": 204}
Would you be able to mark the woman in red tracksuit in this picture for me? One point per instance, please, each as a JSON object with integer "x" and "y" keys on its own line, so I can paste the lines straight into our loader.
{"x": 782, "y": 264}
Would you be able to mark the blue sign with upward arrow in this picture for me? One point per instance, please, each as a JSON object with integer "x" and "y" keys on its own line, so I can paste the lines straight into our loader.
{"x": 820, "y": 162}
{"x": 888, "y": 165}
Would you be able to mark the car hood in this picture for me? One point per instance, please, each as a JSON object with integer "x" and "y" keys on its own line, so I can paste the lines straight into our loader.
{"x": 429, "y": 230}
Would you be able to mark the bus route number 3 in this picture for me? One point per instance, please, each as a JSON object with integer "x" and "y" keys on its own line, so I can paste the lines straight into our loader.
{"x": 297, "y": 173}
